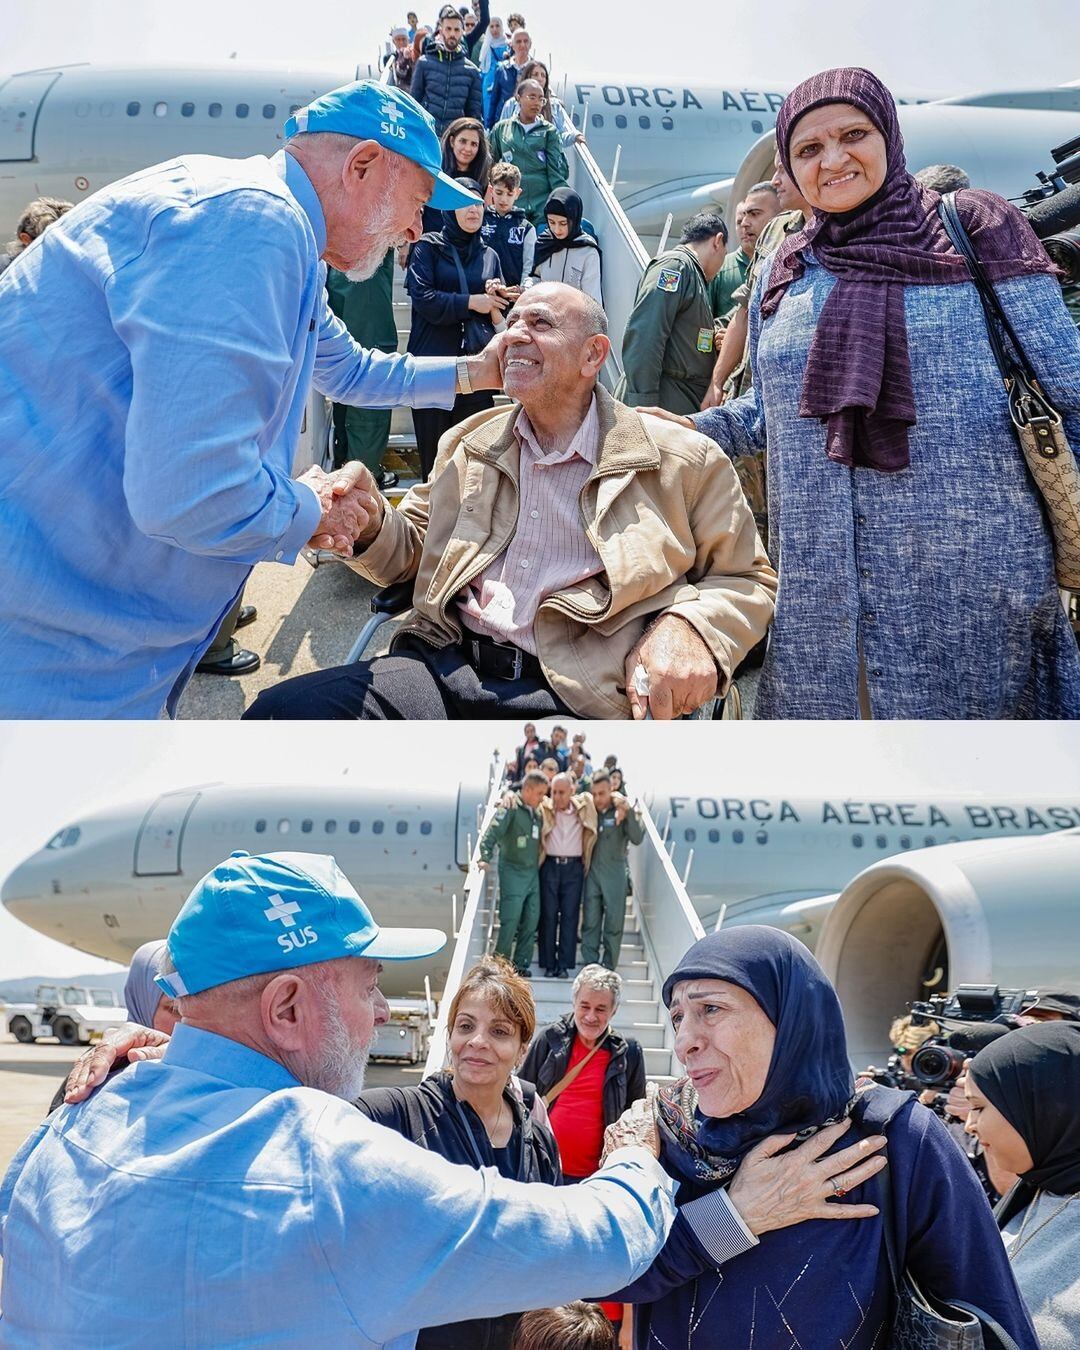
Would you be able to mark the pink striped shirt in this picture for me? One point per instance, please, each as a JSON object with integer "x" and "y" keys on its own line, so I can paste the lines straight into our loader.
{"x": 566, "y": 839}
{"x": 550, "y": 549}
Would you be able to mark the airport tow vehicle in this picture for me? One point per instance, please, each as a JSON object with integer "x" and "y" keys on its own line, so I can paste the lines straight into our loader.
{"x": 73, "y": 1014}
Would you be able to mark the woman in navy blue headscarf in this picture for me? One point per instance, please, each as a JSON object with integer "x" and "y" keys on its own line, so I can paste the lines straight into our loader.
{"x": 760, "y": 1032}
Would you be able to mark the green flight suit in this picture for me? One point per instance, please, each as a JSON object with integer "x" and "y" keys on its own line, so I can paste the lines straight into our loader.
{"x": 606, "y": 886}
{"x": 516, "y": 832}
{"x": 669, "y": 347}
{"x": 727, "y": 281}
{"x": 366, "y": 308}
{"x": 537, "y": 151}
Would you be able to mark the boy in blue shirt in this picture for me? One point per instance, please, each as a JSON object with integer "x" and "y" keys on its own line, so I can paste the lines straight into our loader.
{"x": 506, "y": 228}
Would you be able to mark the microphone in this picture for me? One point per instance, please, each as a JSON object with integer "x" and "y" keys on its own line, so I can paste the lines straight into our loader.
{"x": 1054, "y": 215}
{"x": 972, "y": 1037}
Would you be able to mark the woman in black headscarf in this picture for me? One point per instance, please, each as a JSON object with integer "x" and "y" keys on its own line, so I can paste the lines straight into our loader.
{"x": 565, "y": 251}
{"x": 1024, "y": 1092}
{"x": 760, "y": 1032}
{"x": 916, "y": 568}
{"x": 453, "y": 312}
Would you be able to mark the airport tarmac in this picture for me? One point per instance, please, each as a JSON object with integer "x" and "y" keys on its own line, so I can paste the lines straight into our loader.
{"x": 308, "y": 620}
{"x": 30, "y": 1074}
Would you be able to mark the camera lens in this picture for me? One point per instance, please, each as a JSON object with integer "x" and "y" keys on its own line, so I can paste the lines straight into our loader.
{"x": 933, "y": 1065}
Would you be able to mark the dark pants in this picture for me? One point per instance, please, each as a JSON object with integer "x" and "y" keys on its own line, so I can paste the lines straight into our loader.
{"x": 417, "y": 682}
{"x": 223, "y": 644}
{"x": 561, "y": 881}
{"x": 430, "y": 424}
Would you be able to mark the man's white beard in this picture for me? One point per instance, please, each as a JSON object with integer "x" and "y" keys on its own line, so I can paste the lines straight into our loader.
{"x": 340, "y": 1067}
{"x": 365, "y": 267}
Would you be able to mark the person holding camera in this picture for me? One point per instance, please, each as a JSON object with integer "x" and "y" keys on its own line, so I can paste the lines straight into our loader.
{"x": 1023, "y": 1093}
{"x": 453, "y": 312}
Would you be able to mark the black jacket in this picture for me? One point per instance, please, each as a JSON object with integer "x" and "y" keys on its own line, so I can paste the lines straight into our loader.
{"x": 439, "y": 307}
{"x": 549, "y": 1056}
{"x": 431, "y": 1116}
{"x": 448, "y": 85}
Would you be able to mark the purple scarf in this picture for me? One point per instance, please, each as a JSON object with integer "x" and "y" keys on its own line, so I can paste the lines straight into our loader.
{"x": 858, "y": 372}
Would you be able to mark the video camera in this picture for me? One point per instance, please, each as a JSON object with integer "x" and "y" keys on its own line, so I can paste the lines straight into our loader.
{"x": 984, "y": 1011}
{"x": 1052, "y": 208}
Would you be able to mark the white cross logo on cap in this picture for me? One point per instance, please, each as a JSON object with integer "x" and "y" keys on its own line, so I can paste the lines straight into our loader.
{"x": 282, "y": 910}
{"x": 391, "y": 110}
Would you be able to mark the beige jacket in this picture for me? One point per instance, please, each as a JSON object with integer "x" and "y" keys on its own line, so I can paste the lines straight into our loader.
{"x": 582, "y": 803}
{"x": 664, "y": 510}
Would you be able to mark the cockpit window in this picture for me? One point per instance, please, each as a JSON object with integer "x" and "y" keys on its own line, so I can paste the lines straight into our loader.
{"x": 65, "y": 838}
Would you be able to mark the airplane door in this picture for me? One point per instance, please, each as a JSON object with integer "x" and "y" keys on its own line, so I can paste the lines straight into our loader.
{"x": 21, "y": 98}
{"x": 158, "y": 843}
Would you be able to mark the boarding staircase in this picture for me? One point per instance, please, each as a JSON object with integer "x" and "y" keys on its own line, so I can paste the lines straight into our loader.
{"x": 660, "y": 925}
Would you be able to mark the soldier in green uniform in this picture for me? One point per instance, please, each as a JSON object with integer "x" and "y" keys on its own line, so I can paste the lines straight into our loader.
{"x": 617, "y": 826}
{"x": 366, "y": 308}
{"x": 669, "y": 346}
{"x": 516, "y": 832}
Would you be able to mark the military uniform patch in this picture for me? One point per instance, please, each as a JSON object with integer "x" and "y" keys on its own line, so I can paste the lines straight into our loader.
{"x": 705, "y": 339}
{"x": 669, "y": 279}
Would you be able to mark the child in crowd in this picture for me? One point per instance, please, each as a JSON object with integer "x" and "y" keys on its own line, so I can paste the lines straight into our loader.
{"x": 574, "y": 1326}
{"x": 506, "y": 228}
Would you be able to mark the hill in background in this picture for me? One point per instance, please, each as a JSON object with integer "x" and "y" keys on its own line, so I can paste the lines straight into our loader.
{"x": 24, "y": 990}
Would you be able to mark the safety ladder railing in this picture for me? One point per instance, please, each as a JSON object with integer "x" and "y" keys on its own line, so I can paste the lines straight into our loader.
{"x": 474, "y": 926}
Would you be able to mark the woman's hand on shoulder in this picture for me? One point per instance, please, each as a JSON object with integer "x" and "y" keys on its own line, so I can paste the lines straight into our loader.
{"x": 636, "y": 1127}
{"x": 775, "y": 1190}
{"x": 669, "y": 416}
{"x": 130, "y": 1041}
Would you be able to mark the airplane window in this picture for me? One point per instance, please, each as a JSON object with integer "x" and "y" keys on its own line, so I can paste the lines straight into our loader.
{"x": 644, "y": 123}
{"x": 881, "y": 841}
{"x": 82, "y": 109}
{"x": 106, "y": 109}
{"x": 425, "y": 827}
{"x": 929, "y": 841}
{"x": 65, "y": 838}
{"x": 294, "y": 107}
{"x": 403, "y": 827}
{"x": 377, "y": 827}
{"x": 762, "y": 837}
{"x": 598, "y": 119}
{"x": 187, "y": 110}
{"x": 905, "y": 841}
{"x": 668, "y": 123}
{"x": 331, "y": 826}
{"x": 354, "y": 827}
{"x": 856, "y": 841}
{"x": 714, "y": 836}
{"x": 260, "y": 827}
{"x": 269, "y": 111}
{"x": 215, "y": 110}
{"x": 161, "y": 109}
{"x": 620, "y": 120}
{"x": 242, "y": 110}
{"x": 690, "y": 836}
{"x": 133, "y": 109}
{"x": 757, "y": 127}
{"x": 306, "y": 826}
{"x": 736, "y": 836}
{"x": 54, "y": 842}
{"x": 283, "y": 827}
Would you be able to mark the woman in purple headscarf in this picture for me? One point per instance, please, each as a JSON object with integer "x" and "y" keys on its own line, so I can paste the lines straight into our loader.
{"x": 916, "y": 569}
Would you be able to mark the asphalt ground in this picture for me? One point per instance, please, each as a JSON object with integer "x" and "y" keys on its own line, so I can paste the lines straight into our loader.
{"x": 308, "y": 619}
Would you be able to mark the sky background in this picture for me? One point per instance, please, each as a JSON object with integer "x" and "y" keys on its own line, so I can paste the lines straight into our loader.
{"x": 54, "y": 773}
{"x": 927, "y": 46}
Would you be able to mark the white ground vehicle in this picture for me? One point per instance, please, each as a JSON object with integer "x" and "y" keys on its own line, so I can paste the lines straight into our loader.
{"x": 73, "y": 1014}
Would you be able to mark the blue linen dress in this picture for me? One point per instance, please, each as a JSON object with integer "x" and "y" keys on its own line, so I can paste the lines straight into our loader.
{"x": 937, "y": 579}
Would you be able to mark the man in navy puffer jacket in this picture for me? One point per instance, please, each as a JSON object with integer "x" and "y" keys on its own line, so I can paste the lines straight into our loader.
{"x": 445, "y": 81}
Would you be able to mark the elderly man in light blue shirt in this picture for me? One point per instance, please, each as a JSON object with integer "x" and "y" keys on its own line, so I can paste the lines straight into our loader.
{"x": 157, "y": 349}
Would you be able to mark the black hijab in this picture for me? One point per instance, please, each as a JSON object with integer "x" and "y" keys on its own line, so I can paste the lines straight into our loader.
{"x": 809, "y": 1083}
{"x": 563, "y": 202}
{"x": 1032, "y": 1076}
{"x": 466, "y": 245}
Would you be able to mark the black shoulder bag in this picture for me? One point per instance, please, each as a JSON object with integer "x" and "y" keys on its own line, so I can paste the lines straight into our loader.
{"x": 1038, "y": 424}
{"x": 477, "y": 330}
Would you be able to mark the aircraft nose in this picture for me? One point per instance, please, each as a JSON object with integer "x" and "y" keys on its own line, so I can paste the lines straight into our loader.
{"x": 21, "y": 884}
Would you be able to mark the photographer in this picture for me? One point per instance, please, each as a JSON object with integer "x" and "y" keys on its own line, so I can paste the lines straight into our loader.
{"x": 1023, "y": 1093}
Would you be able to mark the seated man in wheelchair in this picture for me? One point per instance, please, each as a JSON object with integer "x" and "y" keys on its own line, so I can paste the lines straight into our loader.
{"x": 570, "y": 555}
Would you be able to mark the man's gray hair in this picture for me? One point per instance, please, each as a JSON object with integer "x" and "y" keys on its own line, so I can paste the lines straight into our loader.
{"x": 600, "y": 979}
{"x": 593, "y": 319}
{"x": 763, "y": 186}
{"x": 943, "y": 178}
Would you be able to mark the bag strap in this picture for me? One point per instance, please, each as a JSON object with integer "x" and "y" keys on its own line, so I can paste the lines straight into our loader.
{"x": 567, "y": 1078}
{"x": 460, "y": 271}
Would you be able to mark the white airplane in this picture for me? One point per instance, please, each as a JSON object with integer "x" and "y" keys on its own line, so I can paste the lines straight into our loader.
{"x": 66, "y": 131}
{"x": 933, "y": 888}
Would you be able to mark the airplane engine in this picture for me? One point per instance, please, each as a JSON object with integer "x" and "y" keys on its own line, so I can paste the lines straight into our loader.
{"x": 1002, "y": 911}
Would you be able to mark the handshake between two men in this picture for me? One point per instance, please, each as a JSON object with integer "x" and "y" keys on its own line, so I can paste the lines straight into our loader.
{"x": 569, "y": 555}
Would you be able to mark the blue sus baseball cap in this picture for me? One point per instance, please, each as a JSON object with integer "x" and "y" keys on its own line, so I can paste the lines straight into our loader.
{"x": 256, "y": 914}
{"x": 379, "y": 112}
